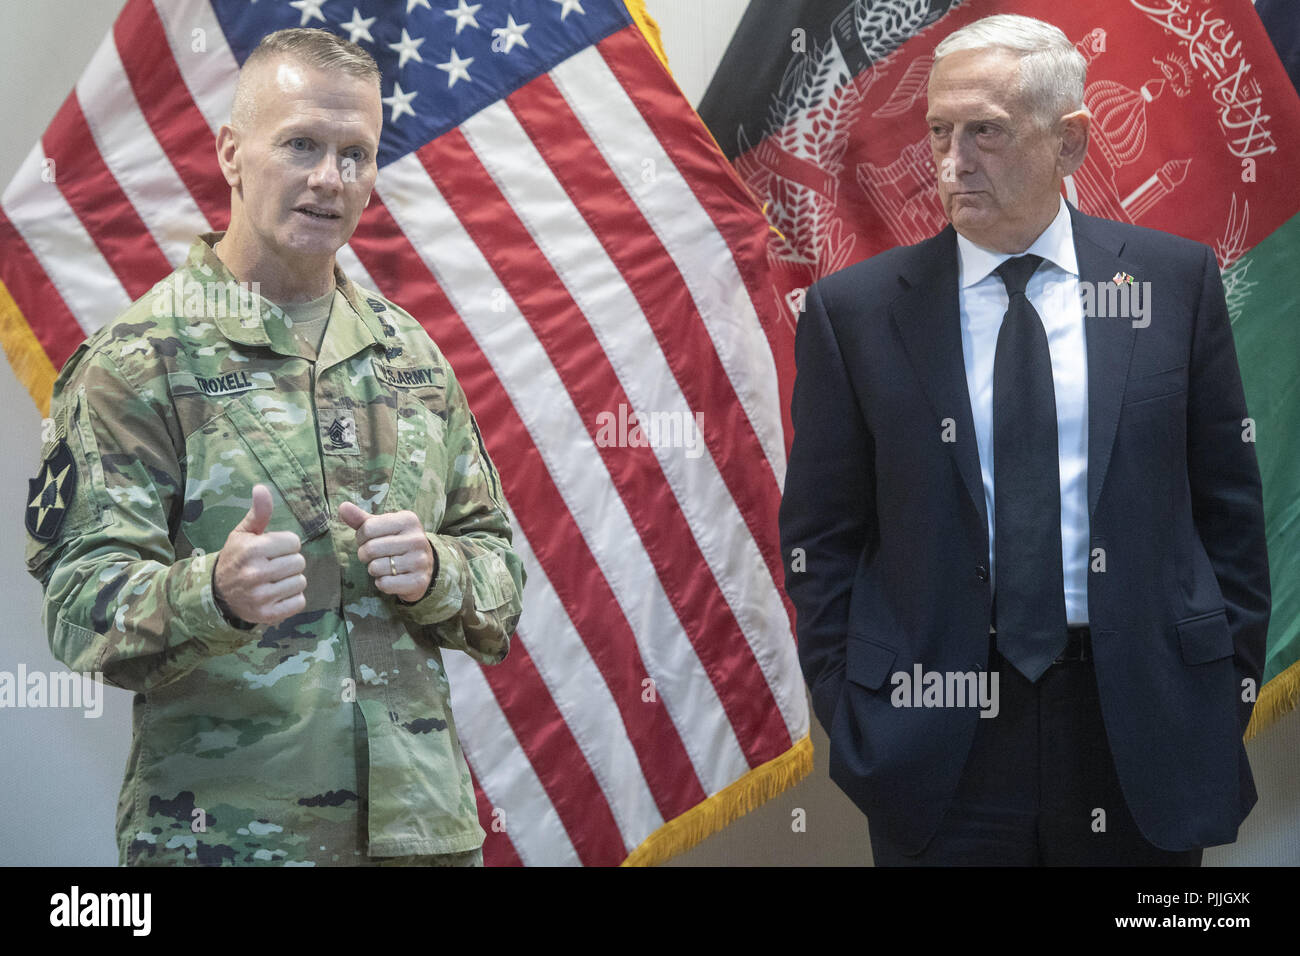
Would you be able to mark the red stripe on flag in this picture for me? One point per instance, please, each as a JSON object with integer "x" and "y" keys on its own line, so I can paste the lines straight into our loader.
{"x": 45, "y": 310}
{"x": 581, "y": 364}
{"x": 169, "y": 109}
{"x": 551, "y": 747}
{"x": 539, "y": 508}
{"x": 106, "y": 212}
{"x": 697, "y": 157}
{"x": 498, "y": 850}
{"x": 632, "y": 245}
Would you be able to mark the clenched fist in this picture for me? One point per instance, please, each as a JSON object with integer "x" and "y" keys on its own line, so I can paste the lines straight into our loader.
{"x": 394, "y": 549}
{"x": 259, "y": 573}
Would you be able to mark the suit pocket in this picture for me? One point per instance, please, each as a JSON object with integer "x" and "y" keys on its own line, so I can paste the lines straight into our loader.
{"x": 867, "y": 662}
{"x": 1171, "y": 381}
{"x": 1205, "y": 638}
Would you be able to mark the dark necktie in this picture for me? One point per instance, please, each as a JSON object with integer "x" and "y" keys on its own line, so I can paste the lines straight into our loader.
{"x": 1029, "y": 582}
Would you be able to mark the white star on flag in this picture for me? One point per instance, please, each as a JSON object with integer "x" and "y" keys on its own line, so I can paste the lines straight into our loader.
{"x": 464, "y": 14}
{"x": 400, "y": 102}
{"x": 511, "y": 33}
{"x": 411, "y": 4}
{"x": 310, "y": 9}
{"x": 456, "y": 68}
{"x": 359, "y": 26}
{"x": 407, "y": 49}
{"x": 568, "y": 6}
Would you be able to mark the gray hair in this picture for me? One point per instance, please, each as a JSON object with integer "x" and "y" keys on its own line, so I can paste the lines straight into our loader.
{"x": 1051, "y": 69}
{"x": 309, "y": 46}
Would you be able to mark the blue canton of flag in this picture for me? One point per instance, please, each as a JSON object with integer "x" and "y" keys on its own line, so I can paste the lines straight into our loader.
{"x": 440, "y": 66}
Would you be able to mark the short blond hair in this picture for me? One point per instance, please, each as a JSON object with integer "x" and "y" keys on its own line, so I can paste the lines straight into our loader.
{"x": 309, "y": 46}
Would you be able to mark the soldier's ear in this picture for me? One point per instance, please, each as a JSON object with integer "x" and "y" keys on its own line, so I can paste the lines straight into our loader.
{"x": 228, "y": 154}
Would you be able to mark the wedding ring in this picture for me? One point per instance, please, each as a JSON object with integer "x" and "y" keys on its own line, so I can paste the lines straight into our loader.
{"x": 391, "y": 566}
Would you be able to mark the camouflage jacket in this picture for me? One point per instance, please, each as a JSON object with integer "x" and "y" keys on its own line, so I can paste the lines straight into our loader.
{"x": 328, "y": 737}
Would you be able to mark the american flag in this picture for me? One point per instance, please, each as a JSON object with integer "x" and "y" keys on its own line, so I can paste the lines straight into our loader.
{"x": 554, "y": 212}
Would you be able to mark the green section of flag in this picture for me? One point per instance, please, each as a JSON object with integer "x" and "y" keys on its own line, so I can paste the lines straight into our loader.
{"x": 1264, "y": 299}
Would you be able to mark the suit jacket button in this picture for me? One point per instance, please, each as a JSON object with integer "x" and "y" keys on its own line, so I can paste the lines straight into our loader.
{"x": 982, "y": 573}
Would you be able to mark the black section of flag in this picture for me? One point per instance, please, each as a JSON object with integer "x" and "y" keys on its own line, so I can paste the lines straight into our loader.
{"x": 766, "y": 55}
{"x": 50, "y": 493}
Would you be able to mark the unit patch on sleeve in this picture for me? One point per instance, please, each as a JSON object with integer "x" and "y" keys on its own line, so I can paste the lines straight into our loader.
{"x": 50, "y": 493}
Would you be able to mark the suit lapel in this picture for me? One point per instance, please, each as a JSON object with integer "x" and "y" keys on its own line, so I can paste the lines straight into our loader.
{"x": 1110, "y": 345}
{"x": 928, "y": 320}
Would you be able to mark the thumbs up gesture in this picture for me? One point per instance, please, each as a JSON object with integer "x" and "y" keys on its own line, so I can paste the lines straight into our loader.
{"x": 394, "y": 549}
{"x": 258, "y": 574}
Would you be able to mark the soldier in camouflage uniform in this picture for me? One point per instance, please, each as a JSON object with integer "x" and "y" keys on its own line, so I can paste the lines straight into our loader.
{"x": 267, "y": 515}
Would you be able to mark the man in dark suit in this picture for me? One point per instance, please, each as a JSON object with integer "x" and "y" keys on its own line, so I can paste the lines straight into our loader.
{"x": 1024, "y": 533}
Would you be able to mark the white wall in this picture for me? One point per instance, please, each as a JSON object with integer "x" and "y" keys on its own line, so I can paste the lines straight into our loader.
{"x": 62, "y": 771}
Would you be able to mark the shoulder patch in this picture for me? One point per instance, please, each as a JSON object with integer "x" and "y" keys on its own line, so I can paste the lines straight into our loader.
{"x": 50, "y": 492}
{"x": 376, "y": 305}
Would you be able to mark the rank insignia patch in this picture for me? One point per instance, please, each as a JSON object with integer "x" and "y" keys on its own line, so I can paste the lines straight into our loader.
{"x": 342, "y": 433}
{"x": 51, "y": 491}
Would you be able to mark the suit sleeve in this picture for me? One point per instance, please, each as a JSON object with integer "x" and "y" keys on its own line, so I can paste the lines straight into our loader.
{"x": 475, "y": 598}
{"x": 828, "y": 516}
{"x": 1227, "y": 497}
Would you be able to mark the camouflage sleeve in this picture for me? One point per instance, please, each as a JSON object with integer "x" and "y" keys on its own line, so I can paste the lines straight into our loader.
{"x": 117, "y": 600}
{"x": 476, "y": 595}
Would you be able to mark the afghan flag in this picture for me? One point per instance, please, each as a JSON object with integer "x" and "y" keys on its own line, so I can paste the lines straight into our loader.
{"x": 820, "y": 105}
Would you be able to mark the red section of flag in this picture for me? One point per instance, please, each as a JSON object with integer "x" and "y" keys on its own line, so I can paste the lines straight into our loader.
{"x": 165, "y": 101}
{"x": 98, "y": 202}
{"x": 34, "y": 294}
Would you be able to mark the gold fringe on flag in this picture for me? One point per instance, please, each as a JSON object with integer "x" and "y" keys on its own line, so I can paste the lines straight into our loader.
{"x": 26, "y": 356}
{"x": 726, "y": 806}
{"x": 649, "y": 28}
{"x": 1279, "y": 697}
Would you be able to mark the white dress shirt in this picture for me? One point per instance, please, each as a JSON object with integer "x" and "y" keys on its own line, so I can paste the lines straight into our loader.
{"x": 1054, "y": 292}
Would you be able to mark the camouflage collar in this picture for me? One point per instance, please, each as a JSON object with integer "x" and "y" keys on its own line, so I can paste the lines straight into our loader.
{"x": 264, "y": 323}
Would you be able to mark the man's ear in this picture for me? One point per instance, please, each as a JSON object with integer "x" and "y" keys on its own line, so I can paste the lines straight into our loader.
{"x": 1073, "y": 129}
{"x": 228, "y": 154}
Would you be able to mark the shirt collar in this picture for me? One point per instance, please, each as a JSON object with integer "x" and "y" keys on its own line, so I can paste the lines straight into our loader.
{"x": 267, "y": 325}
{"x": 1055, "y": 244}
